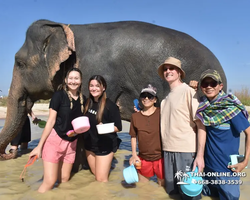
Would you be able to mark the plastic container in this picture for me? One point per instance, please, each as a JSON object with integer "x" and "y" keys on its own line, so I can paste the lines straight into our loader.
{"x": 191, "y": 187}
{"x": 81, "y": 124}
{"x": 41, "y": 124}
{"x": 235, "y": 159}
{"x": 138, "y": 164}
{"x": 130, "y": 174}
{"x": 105, "y": 128}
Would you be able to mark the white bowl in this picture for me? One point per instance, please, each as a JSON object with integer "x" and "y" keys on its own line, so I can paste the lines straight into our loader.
{"x": 106, "y": 128}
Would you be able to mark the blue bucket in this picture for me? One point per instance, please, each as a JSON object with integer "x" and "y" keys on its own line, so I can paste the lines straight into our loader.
{"x": 192, "y": 187}
{"x": 130, "y": 174}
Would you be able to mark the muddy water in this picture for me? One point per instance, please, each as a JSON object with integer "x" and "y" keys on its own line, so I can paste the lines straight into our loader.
{"x": 82, "y": 184}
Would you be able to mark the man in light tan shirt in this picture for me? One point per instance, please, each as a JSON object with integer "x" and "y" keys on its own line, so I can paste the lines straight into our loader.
{"x": 178, "y": 125}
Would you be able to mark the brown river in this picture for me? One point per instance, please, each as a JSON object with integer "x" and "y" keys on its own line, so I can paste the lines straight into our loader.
{"x": 82, "y": 185}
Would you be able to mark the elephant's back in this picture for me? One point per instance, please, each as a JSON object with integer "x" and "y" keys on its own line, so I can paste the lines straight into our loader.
{"x": 145, "y": 45}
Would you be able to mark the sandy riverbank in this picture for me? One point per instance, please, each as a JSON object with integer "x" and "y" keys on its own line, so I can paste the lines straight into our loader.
{"x": 39, "y": 109}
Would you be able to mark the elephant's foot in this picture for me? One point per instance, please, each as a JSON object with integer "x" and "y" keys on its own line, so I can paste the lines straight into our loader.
{"x": 13, "y": 152}
{"x": 11, "y": 155}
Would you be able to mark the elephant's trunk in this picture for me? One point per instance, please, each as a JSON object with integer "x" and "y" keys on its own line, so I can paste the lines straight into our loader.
{"x": 17, "y": 108}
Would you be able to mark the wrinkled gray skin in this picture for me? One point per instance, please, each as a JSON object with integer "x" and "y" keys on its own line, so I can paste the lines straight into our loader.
{"x": 127, "y": 54}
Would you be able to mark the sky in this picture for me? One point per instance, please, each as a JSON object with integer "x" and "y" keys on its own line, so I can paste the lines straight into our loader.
{"x": 223, "y": 26}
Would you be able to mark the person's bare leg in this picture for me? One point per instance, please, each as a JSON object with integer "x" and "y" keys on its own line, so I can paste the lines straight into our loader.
{"x": 161, "y": 182}
{"x": 24, "y": 146}
{"x": 14, "y": 147}
{"x": 91, "y": 157}
{"x": 65, "y": 172}
{"x": 102, "y": 168}
{"x": 49, "y": 177}
{"x": 143, "y": 179}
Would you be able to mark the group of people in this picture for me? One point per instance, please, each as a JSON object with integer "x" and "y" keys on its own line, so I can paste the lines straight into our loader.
{"x": 58, "y": 150}
{"x": 190, "y": 132}
{"x": 184, "y": 133}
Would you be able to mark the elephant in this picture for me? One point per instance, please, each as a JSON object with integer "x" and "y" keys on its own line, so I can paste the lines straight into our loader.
{"x": 126, "y": 53}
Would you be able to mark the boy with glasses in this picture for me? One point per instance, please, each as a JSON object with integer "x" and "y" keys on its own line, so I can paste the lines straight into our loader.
{"x": 145, "y": 129}
{"x": 224, "y": 117}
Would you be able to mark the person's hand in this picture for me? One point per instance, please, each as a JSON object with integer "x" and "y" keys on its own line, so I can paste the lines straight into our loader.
{"x": 71, "y": 133}
{"x": 36, "y": 121}
{"x": 133, "y": 159}
{"x": 36, "y": 151}
{"x": 237, "y": 167}
{"x": 199, "y": 162}
{"x": 136, "y": 110}
{"x": 194, "y": 84}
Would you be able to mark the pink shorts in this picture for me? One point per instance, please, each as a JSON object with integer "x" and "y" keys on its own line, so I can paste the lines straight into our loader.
{"x": 56, "y": 149}
{"x": 151, "y": 168}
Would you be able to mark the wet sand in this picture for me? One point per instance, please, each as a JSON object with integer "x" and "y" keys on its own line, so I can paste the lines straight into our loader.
{"x": 82, "y": 184}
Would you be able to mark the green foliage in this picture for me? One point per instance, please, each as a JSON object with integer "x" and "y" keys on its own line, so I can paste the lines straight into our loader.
{"x": 3, "y": 101}
{"x": 243, "y": 95}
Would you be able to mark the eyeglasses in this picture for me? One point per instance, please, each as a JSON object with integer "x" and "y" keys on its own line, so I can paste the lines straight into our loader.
{"x": 169, "y": 68}
{"x": 205, "y": 84}
{"x": 145, "y": 95}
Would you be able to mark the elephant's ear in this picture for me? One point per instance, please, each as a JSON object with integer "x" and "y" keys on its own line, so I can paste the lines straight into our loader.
{"x": 65, "y": 50}
{"x": 70, "y": 37}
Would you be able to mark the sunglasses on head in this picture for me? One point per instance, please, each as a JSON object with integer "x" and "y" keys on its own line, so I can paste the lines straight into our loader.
{"x": 144, "y": 95}
{"x": 205, "y": 84}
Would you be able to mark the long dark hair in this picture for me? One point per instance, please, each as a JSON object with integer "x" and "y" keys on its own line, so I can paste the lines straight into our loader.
{"x": 64, "y": 86}
{"x": 102, "y": 99}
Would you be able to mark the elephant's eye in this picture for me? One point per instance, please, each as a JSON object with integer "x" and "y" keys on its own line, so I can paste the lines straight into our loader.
{"x": 20, "y": 64}
{"x": 45, "y": 43}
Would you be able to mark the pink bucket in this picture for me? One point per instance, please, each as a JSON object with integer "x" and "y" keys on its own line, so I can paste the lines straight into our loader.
{"x": 81, "y": 124}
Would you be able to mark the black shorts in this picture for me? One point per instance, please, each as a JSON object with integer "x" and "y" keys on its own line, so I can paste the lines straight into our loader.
{"x": 103, "y": 147}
